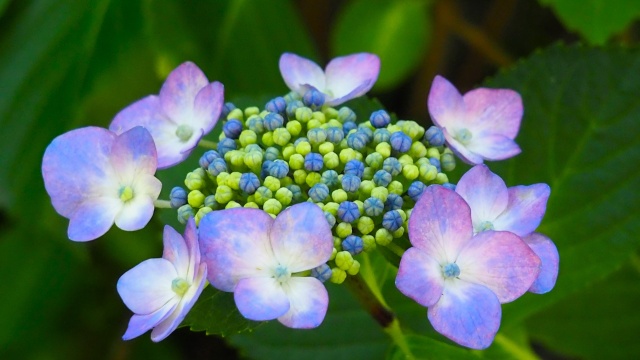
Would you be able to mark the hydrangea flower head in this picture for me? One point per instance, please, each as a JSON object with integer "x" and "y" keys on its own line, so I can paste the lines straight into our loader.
{"x": 186, "y": 109}
{"x": 161, "y": 292}
{"x": 96, "y": 178}
{"x": 479, "y": 125}
{"x": 462, "y": 278}
{"x": 344, "y": 78}
{"x": 258, "y": 257}
{"x": 518, "y": 209}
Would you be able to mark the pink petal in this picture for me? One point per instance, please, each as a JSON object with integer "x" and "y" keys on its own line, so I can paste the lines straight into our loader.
{"x": 486, "y": 194}
{"x": 308, "y": 300}
{"x": 297, "y": 71}
{"x": 467, "y": 313}
{"x": 301, "y": 237}
{"x": 234, "y": 243}
{"x": 351, "y": 76}
{"x": 140, "y": 324}
{"x": 133, "y": 153}
{"x": 527, "y": 205}
{"x": 493, "y": 147}
{"x": 76, "y": 166}
{"x": 499, "y": 111}
{"x": 176, "y": 250}
{"x": 261, "y": 298}
{"x": 207, "y": 106}
{"x": 93, "y": 218}
{"x": 440, "y": 224}
{"x": 500, "y": 261}
{"x": 420, "y": 277}
{"x": 548, "y": 254}
{"x": 179, "y": 91}
{"x": 446, "y": 105}
{"x": 147, "y": 287}
{"x": 169, "y": 324}
{"x": 135, "y": 213}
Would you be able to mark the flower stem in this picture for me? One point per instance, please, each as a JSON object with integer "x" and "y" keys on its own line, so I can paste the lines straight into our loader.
{"x": 208, "y": 144}
{"x": 395, "y": 249}
{"x": 162, "y": 204}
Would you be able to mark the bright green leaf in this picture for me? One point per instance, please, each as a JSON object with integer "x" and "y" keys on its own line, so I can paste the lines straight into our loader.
{"x": 596, "y": 20}
{"x": 397, "y": 31}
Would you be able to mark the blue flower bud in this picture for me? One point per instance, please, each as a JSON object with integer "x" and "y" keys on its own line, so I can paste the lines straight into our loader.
{"x": 380, "y": 119}
{"x": 448, "y": 161}
{"x": 178, "y": 197}
{"x": 276, "y": 105}
{"x": 316, "y": 136}
{"x": 319, "y": 192}
{"x": 382, "y": 178}
{"x": 256, "y": 124}
{"x": 313, "y": 98}
{"x": 295, "y": 191}
{"x": 226, "y": 109}
{"x": 217, "y": 166}
{"x": 357, "y": 140}
{"x": 348, "y": 126}
{"x": 313, "y": 162}
{"x": 354, "y": 167}
{"x": 381, "y": 135}
{"x": 292, "y": 96}
{"x": 393, "y": 202}
{"x": 270, "y": 153}
{"x": 322, "y": 272}
{"x": 273, "y": 121}
{"x": 225, "y": 145}
{"x": 184, "y": 213}
{"x": 292, "y": 107}
{"x": 392, "y": 166}
{"x": 278, "y": 169}
{"x": 346, "y": 115}
{"x": 400, "y": 141}
{"x": 373, "y": 206}
{"x": 249, "y": 183}
{"x": 435, "y": 162}
{"x": 232, "y": 128}
{"x": 450, "y": 186}
{"x": 434, "y": 136}
{"x": 415, "y": 190}
{"x": 266, "y": 165}
{"x": 330, "y": 218}
{"x": 366, "y": 131}
{"x": 334, "y": 134}
{"x": 392, "y": 220}
{"x": 207, "y": 158}
{"x": 330, "y": 178}
{"x": 353, "y": 244}
{"x": 348, "y": 211}
{"x": 350, "y": 183}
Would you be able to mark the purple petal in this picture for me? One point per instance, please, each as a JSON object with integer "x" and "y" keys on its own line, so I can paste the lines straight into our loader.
{"x": 501, "y": 261}
{"x": 147, "y": 287}
{"x": 301, "y": 237}
{"x": 93, "y": 218}
{"x": 493, "y": 147}
{"x": 76, "y": 166}
{"x": 499, "y": 111}
{"x": 297, "y": 71}
{"x": 140, "y": 324}
{"x": 133, "y": 153}
{"x": 261, "y": 298}
{"x": 176, "y": 250}
{"x": 440, "y": 223}
{"x": 420, "y": 277}
{"x": 207, "y": 107}
{"x": 179, "y": 91}
{"x": 135, "y": 213}
{"x": 485, "y": 192}
{"x": 467, "y": 313}
{"x": 548, "y": 254}
{"x": 169, "y": 324}
{"x": 191, "y": 238}
{"x": 527, "y": 205}
{"x": 308, "y": 300}
{"x": 351, "y": 76}
{"x": 445, "y": 103}
{"x": 234, "y": 243}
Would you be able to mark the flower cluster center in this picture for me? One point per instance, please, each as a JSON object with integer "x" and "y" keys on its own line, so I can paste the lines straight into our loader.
{"x": 463, "y": 136}
{"x": 451, "y": 270}
{"x": 125, "y": 193}
{"x": 281, "y": 274}
{"x": 184, "y": 132}
{"x": 484, "y": 226}
{"x": 180, "y": 286}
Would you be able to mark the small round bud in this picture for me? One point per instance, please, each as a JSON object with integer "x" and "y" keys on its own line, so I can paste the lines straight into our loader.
{"x": 348, "y": 211}
{"x": 405, "y": 159}
{"x": 251, "y": 205}
{"x": 207, "y": 158}
{"x": 395, "y": 187}
{"x": 334, "y": 134}
{"x": 232, "y": 128}
{"x": 313, "y": 178}
{"x": 383, "y": 237}
{"x": 394, "y": 202}
{"x": 434, "y": 136}
{"x": 276, "y": 105}
{"x": 411, "y": 172}
{"x": 304, "y": 114}
{"x": 330, "y": 218}
{"x": 226, "y": 145}
{"x": 331, "y": 160}
{"x": 278, "y": 169}
{"x": 319, "y": 115}
{"x": 195, "y": 198}
{"x": 392, "y": 166}
{"x": 398, "y": 233}
{"x": 344, "y": 259}
{"x": 210, "y": 202}
{"x": 436, "y": 163}
{"x": 247, "y": 137}
{"x": 365, "y": 225}
{"x": 392, "y": 220}
{"x": 350, "y": 183}
{"x": 273, "y": 121}
{"x": 348, "y": 126}
{"x": 339, "y": 195}
{"x": 338, "y": 275}
{"x": 233, "y": 181}
{"x": 357, "y": 140}
{"x": 294, "y": 127}
{"x": 322, "y": 272}
{"x": 272, "y": 206}
{"x": 384, "y": 149}
{"x": 249, "y": 183}
{"x": 355, "y": 268}
{"x": 262, "y": 194}
{"x": 448, "y": 162}
{"x": 284, "y": 196}
{"x": 195, "y": 180}
{"x": 318, "y": 192}
{"x": 330, "y": 178}
{"x": 449, "y": 186}
{"x": 381, "y": 135}
{"x": 303, "y": 148}
{"x": 373, "y": 206}
{"x": 400, "y": 142}
{"x": 366, "y": 186}
{"x": 232, "y": 205}
{"x": 325, "y": 148}
{"x": 316, "y": 136}
{"x": 300, "y": 177}
{"x": 221, "y": 179}
{"x": 343, "y": 229}
{"x": 281, "y": 136}
{"x": 255, "y": 124}
{"x": 380, "y": 192}
{"x": 374, "y": 160}
{"x": 235, "y": 113}
{"x": 380, "y": 119}
{"x": 382, "y": 178}
{"x": 441, "y": 178}
{"x": 292, "y": 106}
{"x": 201, "y": 213}
{"x": 353, "y": 244}
{"x": 226, "y": 109}
{"x": 418, "y": 150}
{"x": 184, "y": 213}
{"x": 295, "y": 190}
{"x": 313, "y": 162}
{"x": 331, "y": 207}
{"x": 346, "y": 115}
{"x": 252, "y": 110}
{"x": 428, "y": 172}
{"x": 267, "y": 138}
{"x": 313, "y": 98}
{"x": 416, "y": 189}
{"x": 223, "y": 194}
{"x": 271, "y": 183}
{"x": 178, "y": 197}
{"x": 296, "y": 162}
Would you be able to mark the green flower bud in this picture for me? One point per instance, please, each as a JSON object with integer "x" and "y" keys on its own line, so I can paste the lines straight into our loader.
{"x": 347, "y": 155}
{"x": 253, "y": 110}
{"x": 374, "y": 160}
{"x": 383, "y": 237}
{"x": 337, "y": 244}
{"x": 262, "y": 194}
{"x": 251, "y": 198}
{"x": 313, "y": 178}
{"x": 366, "y": 186}
{"x": 248, "y": 137}
{"x": 330, "y": 113}
{"x": 410, "y": 172}
{"x": 403, "y": 215}
{"x": 395, "y": 187}
{"x": 365, "y": 225}
{"x": 296, "y": 162}
{"x": 299, "y": 177}
{"x": 418, "y": 150}
{"x": 201, "y": 213}
{"x": 233, "y": 181}
{"x": 288, "y": 151}
{"x": 355, "y": 268}
{"x": 325, "y": 148}
{"x": 413, "y": 129}
{"x": 235, "y": 114}
{"x": 221, "y": 179}
{"x": 303, "y": 114}
{"x": 284, "y": 196}
{"x": 344, "y": 260}
{"x": 319, "y": 115}
{"x": 272, "y": 206}
{"x": 384, "y": 149}
{"x": 313, "y": 123}
{"x": 333, "y": 254}
{"x": 380, "y": 192}
{"x": 271, "y": 183}
{"x": 433, "y": 153}
{"x": 235, "y": 158}
{"x": 360, "y": 205}
{"x": 253, "y": 160}
{"x": 195, "y": 198}
{"x": 286, "y": 181}
{"x": 398, "y": 233}
{"x": 447, "y": 161}
{"x": 194, "y": 181}
{"x": 294, "y": 127}
{"x": 442, "y": 178}
{"x": 368, "y": 243}
{"x": 232, "y": 204}
{"x": 252, "y": 205}
{"x": 395, "y": 127}
{"x": 428, "y": 173}
{"x": 267, "y": 138}
{"x": 368, "y": 173}
{"x": 331, "y": 207}
{"x": 343, "y": 229}
{"x": 303, "y": 148}
{"x": 331, "y": 160}
{"x": 405, "y": 160}
{"x": 339, "y": 196}
{"x": 281, "y": 136}
{"x": 223, "y": 194}
{"x": 337, "y": 275}
{"x": 332, "y": 123}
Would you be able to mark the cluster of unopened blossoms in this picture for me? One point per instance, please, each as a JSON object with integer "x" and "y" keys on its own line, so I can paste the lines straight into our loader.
{"x": 291, "y": 194}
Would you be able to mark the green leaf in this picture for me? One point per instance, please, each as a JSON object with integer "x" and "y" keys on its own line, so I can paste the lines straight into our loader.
{"x": 596, "y": 20}
{"x": 397, "y": 31}
{"x": 602, "y": 322}
{"x": 579, "y": 135}
{"x": 429, "y": 349}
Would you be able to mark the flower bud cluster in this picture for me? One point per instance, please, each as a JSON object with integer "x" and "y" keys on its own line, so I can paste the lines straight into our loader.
{"x": 365, "y": 176}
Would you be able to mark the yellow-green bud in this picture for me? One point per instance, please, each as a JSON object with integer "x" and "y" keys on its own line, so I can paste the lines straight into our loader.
{"x": 195, "y": 198}
{"x": 325, "y": 148}
{"x": 235, "y": 114}
{"x": 233, "y": 181}
{"x": 442, "y": 178}
{"x": 313, "y": 178}
{"x": 384, "y": 149}
{"x": 318, "y": 115}
{"x": 286, "y": 181}
{"x": 433, "y": 153}
{"x": 331, "y": 160}
{"x": 428, "y": 172}
{"x": 201, "y": 213}
{"x": 398, "y": 233}
{"x": 261, "y": 195}
{"x": 347, "y": 155}
{"x": 368, "y": 243}
{"x": 294, "y": 127}
{"x": 224, "y": 194}
{"x": 383, "y": 237}
{"x": 334, "y": 252}
{"x": 194, "y": 181}
{"x": 271, "y": 183}
{"x": 447, "y": 161}
{"x": 355, "y": 268}
{"x": 344, "y": 260}
{"x": 272, "y": 206}
{"x": 235, "y": 158}
{"x": 337, "y": 244}
{"x": 394, "y": 127}
{"x": 366, "y": 186}
{"x": 221, "y": 179}
{"x": 303, "y": 148}
{"x": 284, "y": 196}
{"x": 253, "y": 160}
{"x": 395, "y": 187}
{"x": 296, "y": 162}
{"x": 253, "y": 110}
{"x": 412, "y": 129}
{"x": 330, "y": 113}
{"x": 339, "y": 195}
{"x": 410, "y": 171}
{"x": 418, "y": 150}
{"x": 313, "y": 123}
{"x": 281, "y": 136}
{"x": 365, "y": 225}
{"x": 337, "y": 275}
{"x": 267, "y": 138}
{"x": 299, "y": 176}
{"x": 252, "y": 205}
{"x": 380, "y": 192}
{"x": 360, "y": 206}
{"x": 232, "y": 204}
{"x": 303, "y": 114}
{"x": 374, "y": 160}
{"x": 405, "y": 160}
{"x": 288, "y": 151}
{"x": 248, "y": 137}
{"x": 343, "y": 229}
{"x": 331, "y": 208}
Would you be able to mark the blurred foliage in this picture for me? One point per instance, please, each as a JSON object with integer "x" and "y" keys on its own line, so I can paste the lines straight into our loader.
{"x": 68, "y": 64}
